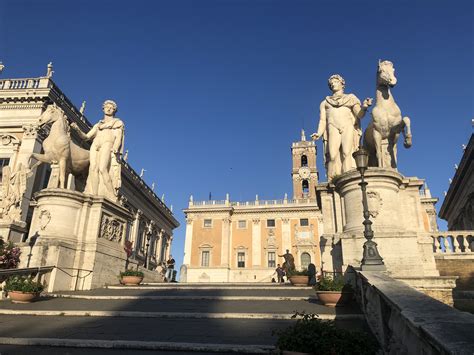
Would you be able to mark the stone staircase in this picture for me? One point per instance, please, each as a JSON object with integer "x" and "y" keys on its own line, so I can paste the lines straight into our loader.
{"x": 206, "y": 318}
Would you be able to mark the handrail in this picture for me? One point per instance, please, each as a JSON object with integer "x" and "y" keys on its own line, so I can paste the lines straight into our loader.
{"x": 27, "y": 271}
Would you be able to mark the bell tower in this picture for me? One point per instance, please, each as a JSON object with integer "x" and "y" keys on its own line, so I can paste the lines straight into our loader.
{"x": 304, "y": 172}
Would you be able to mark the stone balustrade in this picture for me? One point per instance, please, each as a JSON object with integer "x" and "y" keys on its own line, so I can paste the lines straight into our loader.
{"x": 458, "y": 242}
{"x": 24, "y": 83}
{"x": 252, "y": 203}
{"x": 406, "y": 321}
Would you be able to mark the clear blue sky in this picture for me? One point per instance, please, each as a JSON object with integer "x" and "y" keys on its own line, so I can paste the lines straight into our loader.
{"x": 212, "y": 93}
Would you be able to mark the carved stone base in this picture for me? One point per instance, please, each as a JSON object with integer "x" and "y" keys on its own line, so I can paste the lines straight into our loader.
{"x": 397, "y": 216}
{"x": 81, "y": 235}
{"x": 13, "y": 231}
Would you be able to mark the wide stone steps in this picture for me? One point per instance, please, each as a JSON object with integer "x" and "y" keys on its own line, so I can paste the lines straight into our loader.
{"x": 166, "y": 317}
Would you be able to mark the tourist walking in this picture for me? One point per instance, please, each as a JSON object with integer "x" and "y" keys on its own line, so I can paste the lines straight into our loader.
{"x": 169, "y": 269}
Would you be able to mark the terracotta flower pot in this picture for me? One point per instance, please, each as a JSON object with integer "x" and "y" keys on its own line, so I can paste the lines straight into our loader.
{"x": 22, "y": 297}
{"x": 132, "y": 280}
{"x": 299, "y": 280}
{"x": 334, "y": 298}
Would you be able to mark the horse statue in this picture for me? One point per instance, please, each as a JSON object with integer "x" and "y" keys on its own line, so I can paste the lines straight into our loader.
{"x": 59, "y": 148}
{"x": 387, "y": 122}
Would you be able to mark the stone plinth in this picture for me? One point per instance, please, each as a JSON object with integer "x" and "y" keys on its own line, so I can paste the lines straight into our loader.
{"x": 81, "y": 235}
{"x": 383, "y": 187}
{"x": 13, "y": 231}
{"x": 396, "y": 213}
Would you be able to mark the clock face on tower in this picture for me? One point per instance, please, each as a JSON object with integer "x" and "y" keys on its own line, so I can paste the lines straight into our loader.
{"x": 304, "y": 172}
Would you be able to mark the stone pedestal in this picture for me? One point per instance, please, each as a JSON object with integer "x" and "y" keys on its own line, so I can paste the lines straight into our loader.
{"x": 81, "y": 235}
{"x": 13, "y": 231}
{"x": 396, "y": 213}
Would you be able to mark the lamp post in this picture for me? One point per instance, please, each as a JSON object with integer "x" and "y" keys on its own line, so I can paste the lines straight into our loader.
{"x": 371, "y": 260}
{"x": 148, "y": 237}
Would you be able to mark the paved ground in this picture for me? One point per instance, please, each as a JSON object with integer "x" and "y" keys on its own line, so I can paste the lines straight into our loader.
{"x": 131, "y": 333}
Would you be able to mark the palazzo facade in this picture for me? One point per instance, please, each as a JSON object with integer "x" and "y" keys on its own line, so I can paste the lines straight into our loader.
{"x": 229, "y": 241}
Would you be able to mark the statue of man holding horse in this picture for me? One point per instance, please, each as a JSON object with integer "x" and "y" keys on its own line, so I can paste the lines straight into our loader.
{"x": 107, "y": 144}
{"x": 339, "y": 125}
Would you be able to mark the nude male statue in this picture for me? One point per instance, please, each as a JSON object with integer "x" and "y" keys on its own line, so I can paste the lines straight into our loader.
{"x": 339, "y": 125}
{"x": 107, "y": 142}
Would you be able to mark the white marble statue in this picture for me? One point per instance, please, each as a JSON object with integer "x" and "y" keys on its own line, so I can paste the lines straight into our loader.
{"x": 339, "y": 125}
{"x": 107, "y": 144}
{"x": 13, "y": 188}
{"x": 83, "y": 108}
{"x": 49, "y": 71}
{"x": 387, "y": 122}
{"x": 60, "y": 149}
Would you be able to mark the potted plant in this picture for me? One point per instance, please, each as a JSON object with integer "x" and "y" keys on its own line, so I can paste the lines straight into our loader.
{"x": 131, "y": 277}
{"x": 311, "y": 335}
{"x": 333, "y": 291}
{"x": 298, "y": 278}
{"x": 22, "y": 289}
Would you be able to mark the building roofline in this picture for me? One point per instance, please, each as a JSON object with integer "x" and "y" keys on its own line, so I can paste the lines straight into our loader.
{"x": 462, "y": 170}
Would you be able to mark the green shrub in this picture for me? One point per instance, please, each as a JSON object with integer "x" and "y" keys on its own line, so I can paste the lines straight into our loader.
{"x": 312, "y": 335}
{"x": 333, "y": 284}
{"x": 132, "y": 273}
{"x": 23, "y": 284}
{"x": 295, "y": 272}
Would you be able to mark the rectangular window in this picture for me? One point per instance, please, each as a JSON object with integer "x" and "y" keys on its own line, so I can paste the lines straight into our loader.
{"x": 270, "y": 223}
{"x": 271, "y": 259}
{"x": 208, "y": 223}
{"x": 205, "y": 258}
{"x": 242, "y": 224}
{"x": 3, "y": 162}
{"x": 240, "y": 259}
{"x": 304, "y": 222}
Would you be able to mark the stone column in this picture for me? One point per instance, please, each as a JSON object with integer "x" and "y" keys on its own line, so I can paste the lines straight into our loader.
{"x": 188, "y": 242}
{"x": 285, "y": 234}
{"x": 135, "y": 229}
{"x": 159, "y": 242}
{"x": 168, "y": 247}
{"x": 256, "y": 243}
{"x": 225, "y": 242}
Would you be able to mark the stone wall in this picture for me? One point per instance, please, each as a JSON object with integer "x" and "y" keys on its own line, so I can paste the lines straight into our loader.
{"x": 457, "y": 265}
{"x": 406, "y": 321}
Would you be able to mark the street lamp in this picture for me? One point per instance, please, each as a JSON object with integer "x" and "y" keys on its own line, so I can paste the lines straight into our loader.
{"x": 148, "y": 237}
{"x": 371, "y": 260}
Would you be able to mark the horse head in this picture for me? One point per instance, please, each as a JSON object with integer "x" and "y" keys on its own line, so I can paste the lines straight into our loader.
{"x": 386, "y": 74}
{"x": 50, "y": 115}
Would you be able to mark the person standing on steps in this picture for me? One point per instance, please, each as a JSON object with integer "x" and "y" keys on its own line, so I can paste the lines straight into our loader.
{"x": 169, "y": 268}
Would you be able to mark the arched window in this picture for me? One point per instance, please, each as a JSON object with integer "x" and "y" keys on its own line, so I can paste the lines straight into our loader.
{"x": 305, "y": 186}
{"x": 304, "y": 160}
{"x": 305, "y": 260}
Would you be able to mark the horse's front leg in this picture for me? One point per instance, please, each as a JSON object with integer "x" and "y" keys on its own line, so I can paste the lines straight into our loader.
{"x": 393, "y": 139}
{"x": 407, "y": 132}
{"x": 62, "y": 173}
{"x": 378, "y": 147}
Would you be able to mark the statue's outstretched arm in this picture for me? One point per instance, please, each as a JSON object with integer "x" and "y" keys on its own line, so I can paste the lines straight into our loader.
{"x": 359, "y": 111}
{"x": 322, "y": 122}
{"x": 84, "y": 136}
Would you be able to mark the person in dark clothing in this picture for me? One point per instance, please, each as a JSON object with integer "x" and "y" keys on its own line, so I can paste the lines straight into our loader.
{"x": 280, "y": 273}
{"x": 169, "y": 268}
{"x": 312, "y": 274}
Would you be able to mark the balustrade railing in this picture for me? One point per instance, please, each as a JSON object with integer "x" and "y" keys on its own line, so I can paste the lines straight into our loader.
{"x": 25, "y": 83}
{"x": 252, "y": 203}
{"x": 451, "y": 242}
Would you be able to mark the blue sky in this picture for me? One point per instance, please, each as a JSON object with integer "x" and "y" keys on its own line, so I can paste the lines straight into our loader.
{"x": 212, "y": 93}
